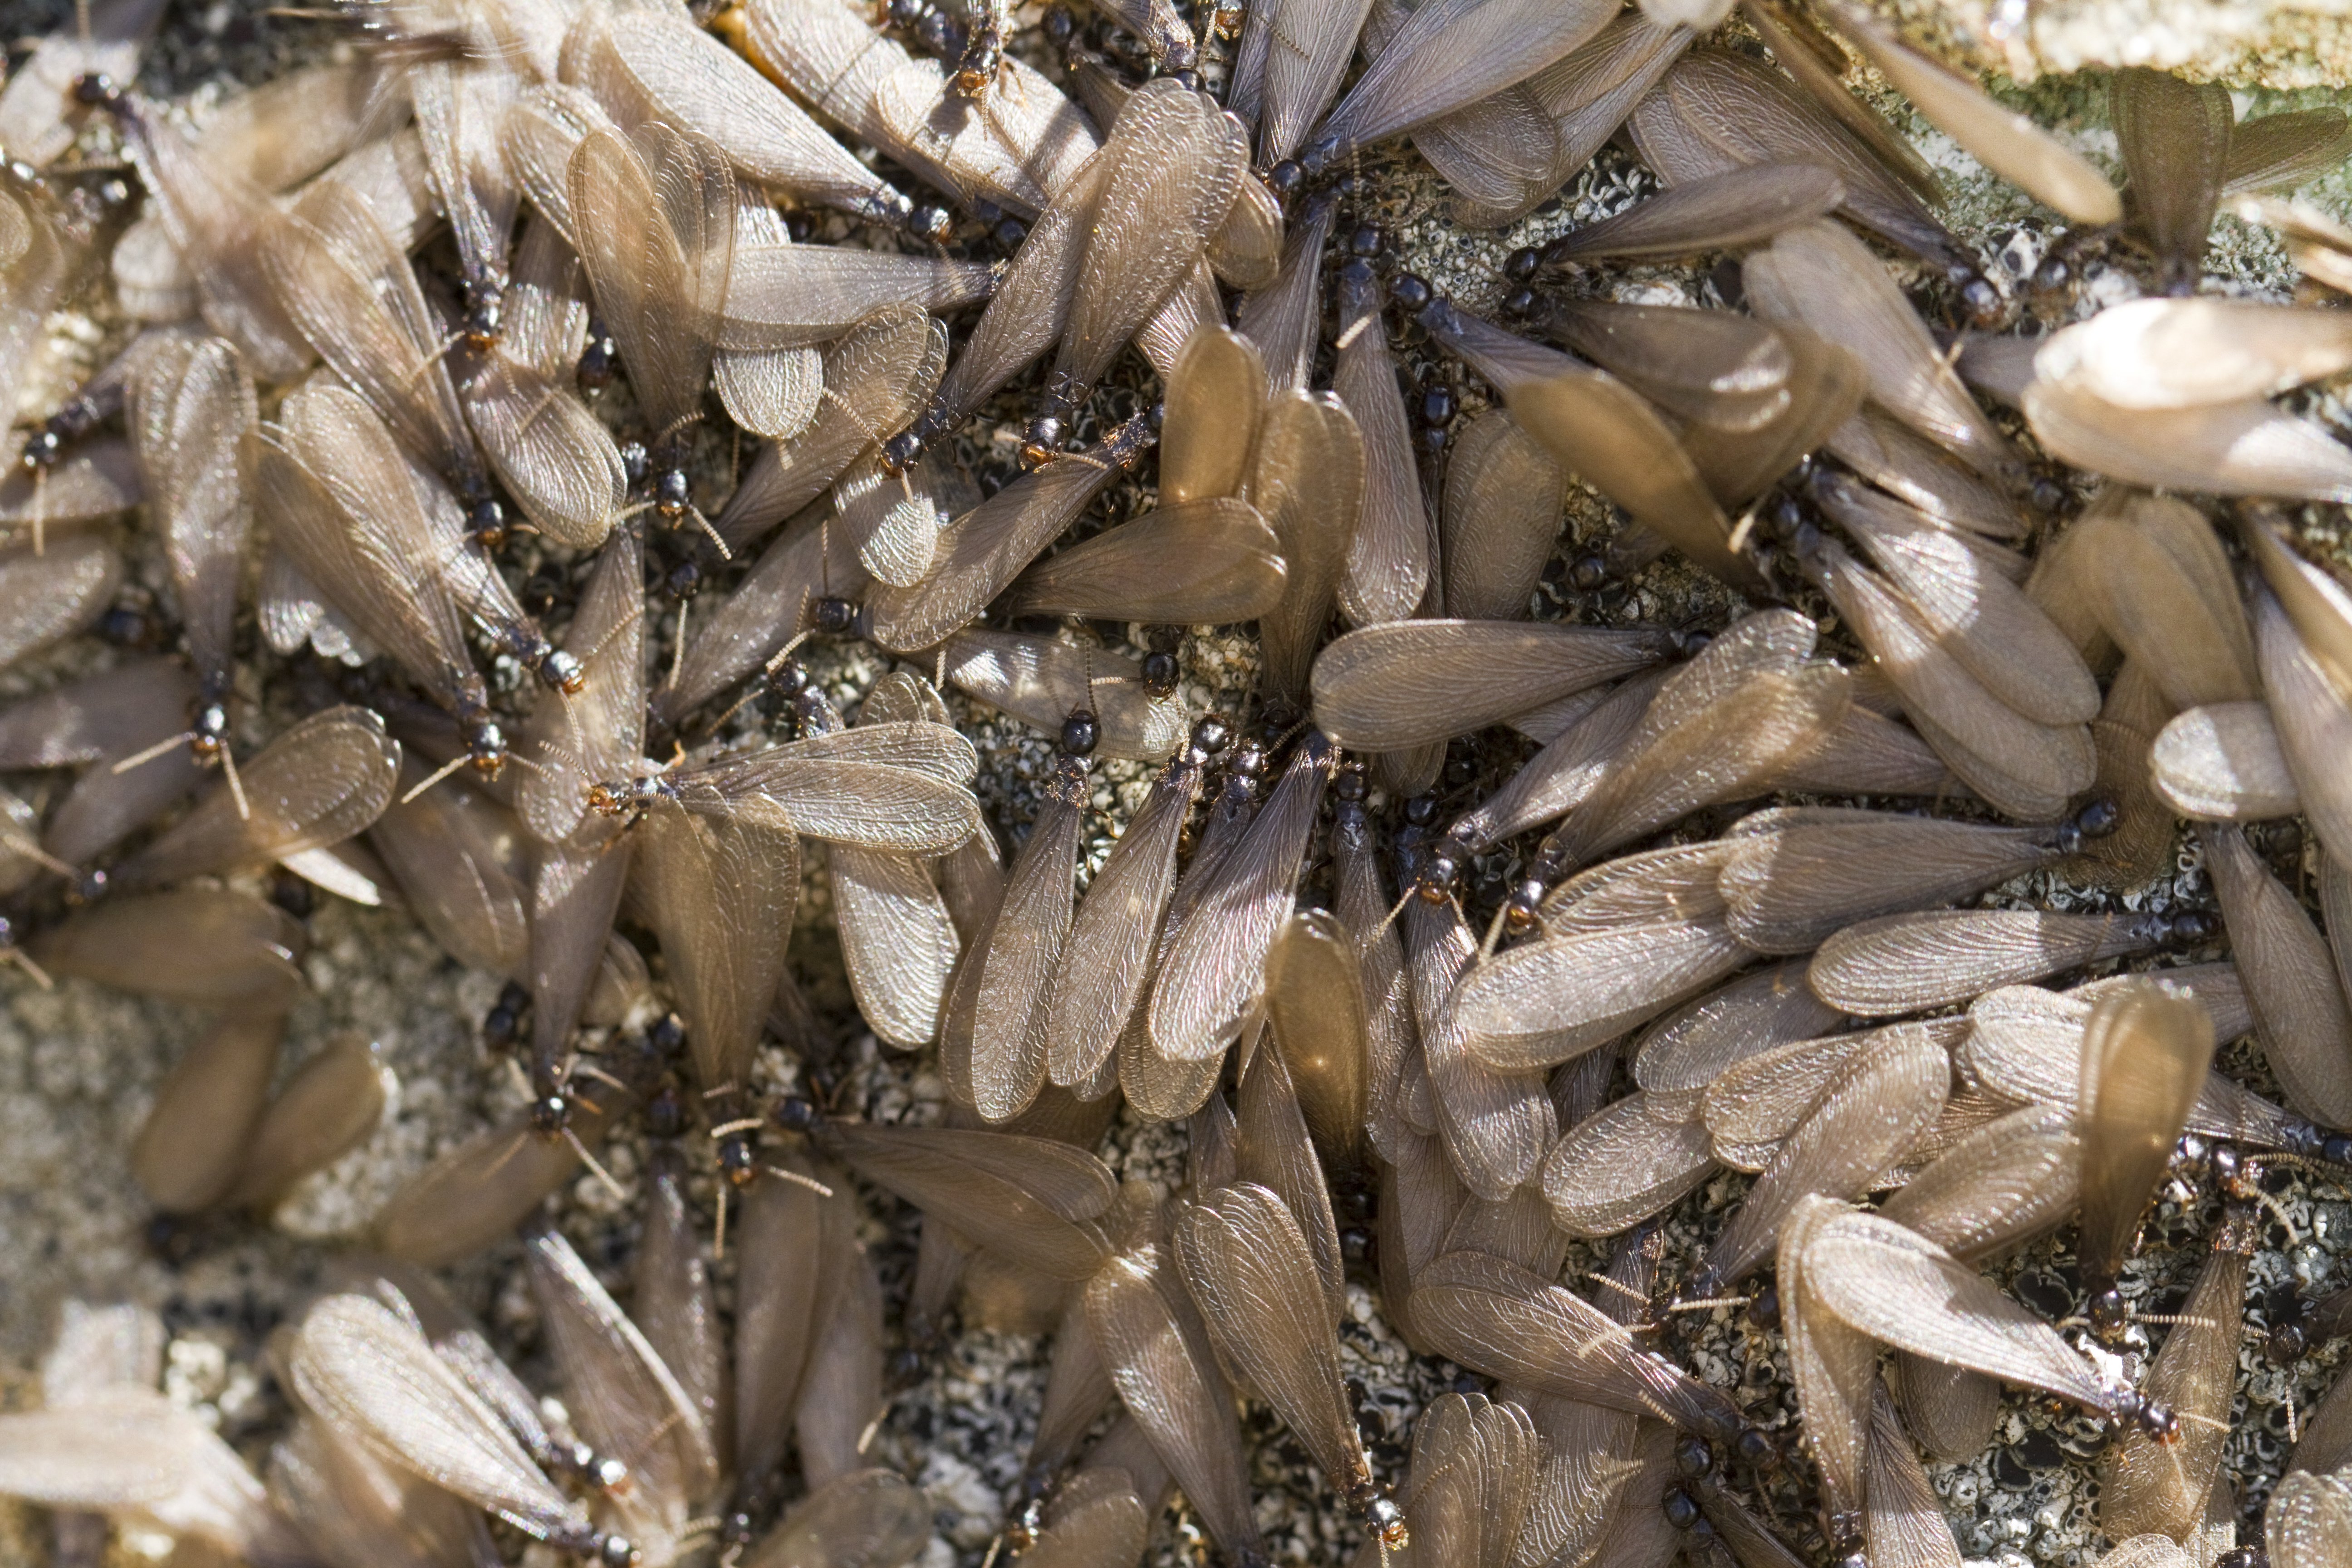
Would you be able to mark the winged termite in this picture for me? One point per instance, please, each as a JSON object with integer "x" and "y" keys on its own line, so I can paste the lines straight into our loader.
{"x": 1010, "y": 149}
{"x": 1403, "y": 684}
{"x": 623, "y": 1398}
{"x": 201, "y": 944}
{"x": 191, "y": 407}
{"x": 1213, "y": 972}
{"x": 340, "y": 501}
{"x": 1716, "y": 112}
{"x": 674, "y": 1301}
{"x": 1821, "y": 277}
{"x": 1833, "y": 1366}
{"x": 1882, "y": 1280}
{"x": 1442, "y": 60}
{"x": 1721, "y": 371}
{"x": 2006, "y": 143}
{"x": 38, "y": 118}
{"x": 1248, "y": 1267}
{"x": 793, "y": 1243}
{"x": 1564, "y": 775}
{"x": 651, "y": 67}
{"x": 1210, "y": 561}
{"x": 1107, "y": 956}
{"x": 792, "y": 589}
{"x": 1908, "y": 964}
{"x": 2298, "y": 1006}
{"x": 456, "y": 856}
{"x": 1599, "y": 429}
{"x": 983, "y": 551}
{"x": 654, "y": 220}
{"x": 53, "y": 593}
{"x": 2175, "y": 139}
{"x": 872, "y": 379}
{"x": 1508, "y": 152}
{"x": 1497, "y": 1124}
{"x": 1799, "y": 876}
{"x": 1502, "y": 1320}
{"x": 362, "y": 1367}
{"x": 320, "y": 782}
{"x": 1847, "y": 1141}
{"x": 476, "y": 1193}
{"x": 1168, "y": 1377}
{"x": 194, "y": 1142}
{"x": 2148, "y": 1489}
{"x": 1288, "y": 70}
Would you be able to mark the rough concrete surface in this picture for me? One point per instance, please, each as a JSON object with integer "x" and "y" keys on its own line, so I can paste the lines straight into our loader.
{"x": 79, "y": 1064}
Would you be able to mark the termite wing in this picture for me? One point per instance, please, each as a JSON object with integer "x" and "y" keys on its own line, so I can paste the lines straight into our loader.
{"x": 207, "y": 945}
{"x": 1407, "y": 683}
{"x": 1909, "y": 963}
{"x": 2291, "y": 983}
{"x": 320, "y": 782}
{"x": 1167, "y": 1375}
{"x": 1040, "y": 680}
{"x": 53, "y": 593}
{"x": 1881, "y": 1280}
{"x": 653, "y": 219}
{"x": 106, "y": 718}
{"x": 1013, "y": 149}
{"x": 362, "y": 1367}
{"x": 194, "y": 1143}
{"x": 191, "y": 407}
{"x": 651, "y": 67}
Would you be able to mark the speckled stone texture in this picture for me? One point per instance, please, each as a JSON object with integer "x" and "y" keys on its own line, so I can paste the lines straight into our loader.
{"x": 79, "y": 1066}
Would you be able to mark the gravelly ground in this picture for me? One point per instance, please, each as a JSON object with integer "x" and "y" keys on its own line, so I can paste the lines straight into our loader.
{"x": 79, "y": 1066}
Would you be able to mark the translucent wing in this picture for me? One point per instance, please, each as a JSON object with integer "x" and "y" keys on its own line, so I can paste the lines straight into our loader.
{"x": 191, "y": 405}
{"x": 1008, "y": 1041}
{"x": 1392, "y": 686}
{"x": 1629, "y": 1161}
{"x": 2298, "y": 1004}
{"x": 1908, "y": 964}
{"x": 1215, "y": 394}
{"x": 1169, "y": 1381}
{"x": 2149, "y": 1488}
{"x": 1039, "y": 1202}
{"x": 2223, "y": 763}
{"x": 1454, "y": 54}
{"x": 52, "y": 594}
{"x": 1496, "y": 1126}
{"x": 2175, "y": 139}
{"x": 1308, "y": 484}
{"x": 1508, "y": 1323}
{"x": 1389, "y": 559}
{"x": 1207, "y": 562}
{"x": 1502, "y": 496}
{"x": 1676, "y": 1057}
{"x": 1794, "y": 881}
{"x": 719, "y": 893}
{"x": 363, "y": 1368}
{"x": 1246, "y": 1262}
{"x": 320, "y": 782}
{"x": 1847, "y": 1143}
{"x": 574, "y": 739}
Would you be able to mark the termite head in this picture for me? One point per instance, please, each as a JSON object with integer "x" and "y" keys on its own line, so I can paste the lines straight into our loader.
{"x": 1022, "y": 1530}
{"x": 1695, "y": 1457}
{"x": 485, "y": 314}
{"x": 563, "y": 671}
{"x": 550, "y": 1114}
{"x": 487, "y": 525}
{"x": 1043, "y": 440}
{"x": 1386, "y": 1521}
{"x": 833, "y": 616}
{"x": 2155, "y": 1419}
{"x": 486, "y": 748}
{"x": 615, "y": 1551}
{"x": 598, "y": 362}
{"x": 208, "y": 731}
{"x": 1439, "y": 868}
{"x": 2097, "y": 819}
{"x": 1159, "y": 674}
{"x": 739, "y": 1163}
{"x": 95, "y": 89}
{"x": 1681, "y": 1508}
{"x": 899, "y": 452}
{"x": 1081, "y": 731}
{"x": 2107, "y": 1312}
{"x": 796, "y": 1113}
{"x": 673, "y": 497}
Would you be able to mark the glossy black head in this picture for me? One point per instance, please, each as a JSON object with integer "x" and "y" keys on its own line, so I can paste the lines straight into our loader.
{"x": 2107, "y": 1311}
{"x": 672, "y": 494}
{"x": 833, "y": 616}
{"x": 1285, "y": 180}
{"x": 95, "y": 89}
{"x": 42, "y": 450}
{"x": 1681, "y": 1508}
{"x": 562, "y": 671}
{"x": 1080, "y": 733}
{"x": 550, "y": 1114}
{"x": 599, "y": 361}
{"x": 738, "y": 1162}
{"x": 2097, "y": 819}
{"x": 1210, "y": 736}
{"x": 1159, "y": 676}
{"x": 486, "y": 748}
{"x": 1045, "y": 440}
{"x": 796, "y": 1113}
{"x": 1411, "y": 292}
{"x": 486, "y": 524}
{"x": 899, "y": 452}
{"x": 1764, "y": 1311}
{"x": 615, "y": 1551}
{"x": 485, "y": 314}
{"x": 2157, "y": 1420}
